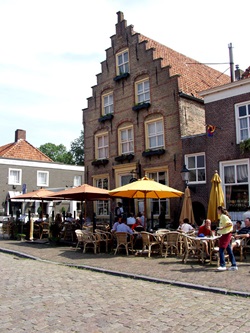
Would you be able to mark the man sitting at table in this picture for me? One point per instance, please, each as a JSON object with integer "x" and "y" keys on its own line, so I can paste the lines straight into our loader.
{"x": 205, "y": 230}
{"x": 242, "y": 233}
{"x": 137, "y": 226}
{"x": 123, "y": 227}
{"x": 185, "y": 226}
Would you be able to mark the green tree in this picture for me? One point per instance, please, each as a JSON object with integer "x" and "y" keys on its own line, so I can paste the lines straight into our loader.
{"x": 57, "y": 153}
{"x": 77, "y": 150}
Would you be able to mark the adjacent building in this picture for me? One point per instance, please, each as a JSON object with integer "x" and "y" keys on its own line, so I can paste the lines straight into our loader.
{"x": 145, "y": 101}
{"x": 24, "y": 168}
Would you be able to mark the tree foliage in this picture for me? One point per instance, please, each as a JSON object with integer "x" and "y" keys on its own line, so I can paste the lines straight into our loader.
{"x": 59, "y": 153}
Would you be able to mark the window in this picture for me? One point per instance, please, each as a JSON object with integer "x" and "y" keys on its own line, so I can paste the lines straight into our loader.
{"x": 122, "y": 63}
{"x": 42, "y": 178}
{"x": 77, "y": 180}
{"x": 15, "y": 177}
{"x": 142, "y": 92}
{"x": 154, "y": 132}
{"x": 126, "y": 140}
{"x": 107, "y": 104}
{"x": 235, "y": 178}
{"x": 197, "y": 166}
{"x": 102, "y": 206}
{"x": 102, "y": 146}
{"x": 242, "y": 115}
{"x": 157, "y": 206}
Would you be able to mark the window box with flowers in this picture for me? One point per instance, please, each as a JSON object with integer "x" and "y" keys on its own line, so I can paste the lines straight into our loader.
{"x": 124, "y": 157}
{"x": 103, "y": 162}
{"x": 121, "y": 76}
{"x": 245, "y": 146}
{"x": 153, "y": 152}
{"x": 141, "y": 106}
{"x": 108, "y": 116}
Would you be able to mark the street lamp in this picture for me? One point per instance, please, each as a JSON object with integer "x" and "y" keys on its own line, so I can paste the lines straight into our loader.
{"x": 185, "y": 174}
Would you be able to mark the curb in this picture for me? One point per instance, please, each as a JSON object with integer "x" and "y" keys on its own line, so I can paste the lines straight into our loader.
{"x": 135, "y": 276}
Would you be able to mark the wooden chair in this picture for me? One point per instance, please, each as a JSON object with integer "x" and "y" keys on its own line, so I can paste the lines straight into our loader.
{"x": 44, "y": 230}
{"x": 170, "y": 242}
{"x": 79, "y": 237}
{"x": 90, "y": 241}
{"x": 105, "y": 238}
{"x": 192, "y": 248}
{"x": 243, "y": 248}
{"x": 37, "y": 230}
{"x": 125, "y": 240}
{"x": 6, "y": 229}
{"x": 149, "y": 241}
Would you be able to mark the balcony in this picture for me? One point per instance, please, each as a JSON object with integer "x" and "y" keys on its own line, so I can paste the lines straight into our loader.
{"x": 108, "y": 116}
{"x": 124, "y": 158}
{"x": 141, "y": 106}
{"x": 153, "y": 152}
{"x": 121, "y": 77}
{"x": 102, "y": 162}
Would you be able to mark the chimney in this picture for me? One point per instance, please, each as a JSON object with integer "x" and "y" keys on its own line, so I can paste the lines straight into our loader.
{"x": 231, "y": 60}
{"x": 238, "y": 73}
{"x": 20, "y": 134}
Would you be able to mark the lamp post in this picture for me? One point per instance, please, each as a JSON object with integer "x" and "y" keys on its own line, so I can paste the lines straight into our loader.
{"x": 185, "y": 174}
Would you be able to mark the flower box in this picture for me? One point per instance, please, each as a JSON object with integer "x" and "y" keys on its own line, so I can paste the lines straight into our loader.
{"x": 141, "y": 106}
{"x": 100, "y": 162}
{"x": 109, "y": 116}
{"x": 151, "y": 152}
{"x": 121, "y": 76}
{"x": 124, "y": 157}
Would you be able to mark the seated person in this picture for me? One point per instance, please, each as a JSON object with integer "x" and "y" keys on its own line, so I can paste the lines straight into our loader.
{"x": 237, "y": 227}
{"x": 241, "y": 234}
{"x": 137, "y": 226}
{"x": 185, "y": 226}
{"x": 206, "y": 231}
{"x": 116, "y": 222}
{"x": 123, "y": 227}
{"x": 131, "y": 219}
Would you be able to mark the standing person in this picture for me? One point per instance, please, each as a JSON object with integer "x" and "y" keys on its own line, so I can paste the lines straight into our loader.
{"x": 161, "y": 218}
{"x": 119, "y": 210}
{"x": 225, "y": 230}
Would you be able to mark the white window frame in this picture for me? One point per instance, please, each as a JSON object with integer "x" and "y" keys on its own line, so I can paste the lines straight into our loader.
{"x": 12, "y": 180}
{"x": 77, "y": 180}
{"x": 142, "y": 91}
{"x": 239, "y": 135}
{"x": 39, "y": 172}
{"x": 102, "y": 207}
{"x": 107, "y": 103}
{"x": 196, "y": 170}
{"x": 122, "y": 62}
{"x": 103, "y": 148}
{"x": 127, "y": 142}
{"x": 155, "y": 135}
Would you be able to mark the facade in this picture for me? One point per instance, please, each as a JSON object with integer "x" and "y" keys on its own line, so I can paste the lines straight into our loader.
{"x": 145, "y": 100}
{"x": 225, "y": 147}
{"x": 24, "y": 168}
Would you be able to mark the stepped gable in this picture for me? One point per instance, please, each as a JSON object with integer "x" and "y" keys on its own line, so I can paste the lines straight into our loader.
{"x": 23, "y": 150}
{"x": 194, "y": 76}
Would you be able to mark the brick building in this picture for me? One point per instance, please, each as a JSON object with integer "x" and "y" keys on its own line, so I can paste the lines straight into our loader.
{"x": 145, "y": 100}
{"x": 226, "y": 149}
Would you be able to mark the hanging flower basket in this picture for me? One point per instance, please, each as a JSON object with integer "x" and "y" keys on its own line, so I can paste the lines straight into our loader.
{"x": 121, "y": 76}
{"x": 108, "y": 116}
{"x": 141, "y": 106}
{"x": 100, "y": 162}
{"x": 151, "y": 152}
{"x": 124, "y": 157}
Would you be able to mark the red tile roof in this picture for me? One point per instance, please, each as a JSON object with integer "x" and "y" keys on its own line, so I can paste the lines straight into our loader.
{"x": 246, "y": 74}
{"x": 23, "y": 150}
{"x": 194, "y": 76}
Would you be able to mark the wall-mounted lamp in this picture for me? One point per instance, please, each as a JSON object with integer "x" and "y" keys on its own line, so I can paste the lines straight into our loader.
{"x": 185, "y": 174}
{"x": 14, "y": 187}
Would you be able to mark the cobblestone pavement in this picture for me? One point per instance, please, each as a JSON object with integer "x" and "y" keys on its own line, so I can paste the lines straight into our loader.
{"x": 169, "y": 270}
{"x": 38, "y": 296}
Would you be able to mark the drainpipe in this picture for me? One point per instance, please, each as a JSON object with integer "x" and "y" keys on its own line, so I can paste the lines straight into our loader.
{"x": 231, "y": 62}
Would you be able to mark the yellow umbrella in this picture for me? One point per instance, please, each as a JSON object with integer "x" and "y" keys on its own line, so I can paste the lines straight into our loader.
{"x": 216, "y": 198}
{"x": 145, "y": 188}
{"x": 187, "y": 208}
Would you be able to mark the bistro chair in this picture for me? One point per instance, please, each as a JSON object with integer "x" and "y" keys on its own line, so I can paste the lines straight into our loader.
{"x": 170, "y": 242}
{"x": 44, "y": 230}
{"x": 105, "y": 238}
{"x": 79, "y": 238}
{"x": 90, "y": 241}
{"x": 150, "y": 241}
{"x": 124, "y": 240}
{"x": 192, "y": 248}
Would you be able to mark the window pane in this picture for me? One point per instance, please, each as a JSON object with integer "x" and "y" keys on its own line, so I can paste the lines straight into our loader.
{"x": 229, "y": 174}
{"x": 242, "y": 111}
{"x": 200, "y": 161}
{"x": 191, "y": 162}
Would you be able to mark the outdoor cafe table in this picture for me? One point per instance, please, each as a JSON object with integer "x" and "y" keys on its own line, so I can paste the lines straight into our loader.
{"x": 200, "y": 241}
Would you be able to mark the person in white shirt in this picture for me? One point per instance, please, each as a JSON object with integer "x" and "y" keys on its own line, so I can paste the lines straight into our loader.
{"x": 116, "y": 223}
{"x": 185, "y": 226}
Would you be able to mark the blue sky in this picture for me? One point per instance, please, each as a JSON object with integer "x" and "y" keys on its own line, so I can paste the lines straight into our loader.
{"x": 51, "y": 52}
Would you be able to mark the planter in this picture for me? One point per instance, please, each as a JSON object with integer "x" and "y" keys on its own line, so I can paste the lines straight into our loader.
{"x": 100, "y": 162}
{"x": 124, "y": 157}
{"x": 157, "y": 152}
{"x": 21, "y": 237}
{"x": 141, "y": 106}
{"x": 109, "y": 116}
{"x": 121, "y": 76}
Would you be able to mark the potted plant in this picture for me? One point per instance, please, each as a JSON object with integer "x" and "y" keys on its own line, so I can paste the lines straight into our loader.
{"x": 99, "y": 162}
{"x": 245, "y": 146}
{"x": 105, "y": 117}
{"x": 121, "y": 76}
{"x": 141, "y": 106}
{"x": 153, "y": 152}
{"x": 21, "y": 237}
{"x": 124, "y": 157}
